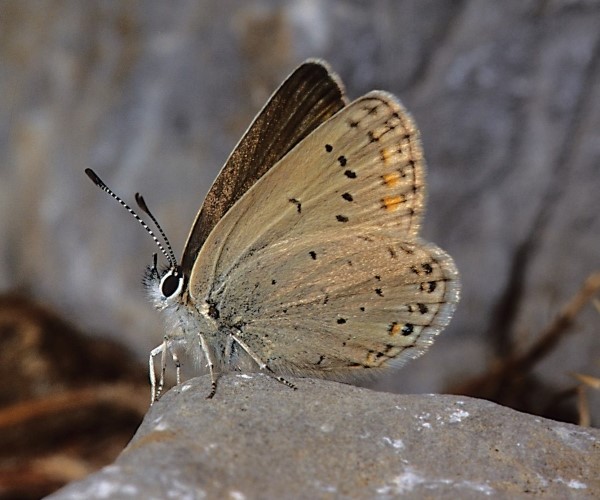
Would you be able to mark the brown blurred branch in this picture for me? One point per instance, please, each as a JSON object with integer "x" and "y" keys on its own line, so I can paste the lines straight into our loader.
{"x": 511, "y": 369}
{"x": 122, "y": 396}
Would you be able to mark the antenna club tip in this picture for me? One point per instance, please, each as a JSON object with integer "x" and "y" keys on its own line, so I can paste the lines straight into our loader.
{"x": 94, "y": 177}
{"x": 141, "y": 202}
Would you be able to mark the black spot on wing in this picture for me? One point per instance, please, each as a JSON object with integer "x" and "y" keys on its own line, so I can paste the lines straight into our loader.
{"x": 428, "y": 286}
{"x": 422, "y": 269}
{"x": 407, "y": 329}
{"x": 297, "y": 203}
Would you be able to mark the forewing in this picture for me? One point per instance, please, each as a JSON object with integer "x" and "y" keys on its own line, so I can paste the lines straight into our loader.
{"x": 306, "y": 99}
{"x": 362, "y": 169}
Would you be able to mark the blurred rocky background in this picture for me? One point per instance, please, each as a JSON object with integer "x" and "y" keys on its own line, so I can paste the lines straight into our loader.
{"x": 154, "y": 95}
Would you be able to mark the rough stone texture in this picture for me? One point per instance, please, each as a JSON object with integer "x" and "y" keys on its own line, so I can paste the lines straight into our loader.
{"x": 259, "y": 439}
{"x": 154, "y": 95}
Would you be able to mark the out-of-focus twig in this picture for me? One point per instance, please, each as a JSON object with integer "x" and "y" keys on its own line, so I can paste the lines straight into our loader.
{"x": 583, "y": 407}
{"x": 125, "y": 396}
{"x": 516, "y": 367}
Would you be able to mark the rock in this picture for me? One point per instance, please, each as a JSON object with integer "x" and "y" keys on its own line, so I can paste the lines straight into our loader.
{"x": 259, "y": 439}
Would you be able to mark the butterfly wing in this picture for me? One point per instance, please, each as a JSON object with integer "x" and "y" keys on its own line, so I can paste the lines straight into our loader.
{"x": 323, "y": 253}
{"x": 309, "y": 96}
{"x": 332, "y": 306}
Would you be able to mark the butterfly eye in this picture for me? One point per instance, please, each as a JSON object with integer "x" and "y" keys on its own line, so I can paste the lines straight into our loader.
{"x": 171, "y": 284}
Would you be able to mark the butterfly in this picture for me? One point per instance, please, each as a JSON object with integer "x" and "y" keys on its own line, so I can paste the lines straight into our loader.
{"x": 305, "y": 257}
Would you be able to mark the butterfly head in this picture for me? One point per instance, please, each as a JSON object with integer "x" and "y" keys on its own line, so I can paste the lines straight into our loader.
{"x": 165, "y": 286}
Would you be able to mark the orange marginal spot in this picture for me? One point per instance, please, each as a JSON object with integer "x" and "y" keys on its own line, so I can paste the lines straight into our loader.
{"x": 372, "y": 359}
{"x": 394, "y": 329}
{"x": 392, "y": 179}
{"x": 387, "y": 155}
{"x": 392, "y": 202}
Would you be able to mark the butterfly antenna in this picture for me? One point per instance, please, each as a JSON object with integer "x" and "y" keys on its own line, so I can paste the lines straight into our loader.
{"x": 142, "y": 204}
{"x": 170, "y": 256}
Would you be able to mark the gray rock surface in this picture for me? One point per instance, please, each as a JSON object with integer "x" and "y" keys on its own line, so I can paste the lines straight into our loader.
{"x": 259, "y": 439}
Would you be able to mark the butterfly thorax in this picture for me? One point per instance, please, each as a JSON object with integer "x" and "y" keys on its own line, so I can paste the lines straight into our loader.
{"x": 185, "y": 319}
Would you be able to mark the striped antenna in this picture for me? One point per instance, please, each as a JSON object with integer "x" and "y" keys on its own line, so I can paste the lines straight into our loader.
{"x": 170, "y": 256}
{"x": 142, "y": 204}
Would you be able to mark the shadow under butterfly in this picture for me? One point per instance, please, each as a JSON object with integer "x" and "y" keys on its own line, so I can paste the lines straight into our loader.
{"x": 305, "y": 257}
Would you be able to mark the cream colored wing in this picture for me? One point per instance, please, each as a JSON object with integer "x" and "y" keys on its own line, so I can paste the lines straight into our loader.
{"x": 331, "y": 306}
{"x": 292, "y": 263}
{"x": 363, "y": 168}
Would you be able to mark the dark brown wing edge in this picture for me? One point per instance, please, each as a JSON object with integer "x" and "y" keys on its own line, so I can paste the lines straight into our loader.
{"x": 306, "y": 99}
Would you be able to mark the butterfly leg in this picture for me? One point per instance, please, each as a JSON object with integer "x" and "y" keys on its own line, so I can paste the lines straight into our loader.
{"x": 261, "y": 364}
{"x": 154, "y": 391}
{"x": 177, "y": 366}
{"x": 211, "y": 366}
